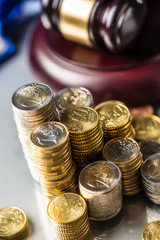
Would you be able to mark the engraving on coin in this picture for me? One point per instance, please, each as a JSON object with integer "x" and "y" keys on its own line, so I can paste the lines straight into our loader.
{"x": 147, "y": 127}
{"x": 113, "y": 114}
{"x": 31, "y": 96}
{"x": 99, "y": 176}
{"x": 12, "y": 220}
{"x": 121, "y": 150}
{"x": 152, "y": 231}
{"x": 80, "y": 119}
{"x": 153, "y": 169}
{"x": 66, "y": 207}
{"x": 72, "y": 98}
{"x": 49, "y": 135}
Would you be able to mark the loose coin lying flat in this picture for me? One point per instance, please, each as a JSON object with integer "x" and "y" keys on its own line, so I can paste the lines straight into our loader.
{"x": 152, "y": 231}
{"x": 13, "y": 222}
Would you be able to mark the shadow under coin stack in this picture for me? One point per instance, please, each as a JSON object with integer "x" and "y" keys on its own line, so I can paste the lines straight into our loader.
{"x": 151, "y": 177}
{"x": 73, "y": 97}
{"x": 51, "y": 152}
{"x": 146, "y": 127}
{"x": 68, "y": 217}
{"x": 116, "y": 120}
{"x": 125, "y": 153}
{"x": 86, "y": 135}
{"x": 32, "y": 105}
{"x": 100, "y": 185}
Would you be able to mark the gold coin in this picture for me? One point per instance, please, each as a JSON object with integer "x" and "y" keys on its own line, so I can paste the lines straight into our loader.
{"x": 113, "y": 114}
{"x": 13, "y": 221}
{"x": 80, "y": 119}
{"x": 152, "y": 231}
{"x": 66, "y": 208}
{"x": 147, "y": 127}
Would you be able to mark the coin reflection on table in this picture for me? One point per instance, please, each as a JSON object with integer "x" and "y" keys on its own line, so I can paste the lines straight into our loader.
{"x": 151, "y": 177}
{"x": 100, "y": 185}
{"x": 13, "y": 223}
{"x": 116, "y": 120}
{"x": 152, "y": 211}
{"x": 152, "y": 231}
{"x": 68, "y": 217}
{"x": 146, "y": 127}
{"x": 32, "y": 105}
{"x": 125, "y": 153}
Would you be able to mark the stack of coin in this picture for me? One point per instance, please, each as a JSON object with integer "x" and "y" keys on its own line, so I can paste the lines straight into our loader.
{"x": 146, "y": 127}
{"x": 125, "y": 153}
{"x": 68, "y": 217}
{"x": 152, "y": 231}
{"x": 100, "y": 185}
{"x": 32, "y": 104}
{"x": 13, "y": 223}
{"x": 73, "y": 97}
{"x": 149, "y": 147}
{"x": 51, "y": 151}
{"x": 86, "y": 135}
{"x": 116, "y": 120}
{"x": 151, "y": 177}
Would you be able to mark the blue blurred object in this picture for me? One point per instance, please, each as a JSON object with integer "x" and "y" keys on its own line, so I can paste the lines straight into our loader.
{"x": 13, "y": 15}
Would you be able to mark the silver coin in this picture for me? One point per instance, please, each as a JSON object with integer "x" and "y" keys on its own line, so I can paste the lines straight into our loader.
{"x": 149, "y": 147}
{"x": 73, "y": 97}
{"x": 32, "y": 96}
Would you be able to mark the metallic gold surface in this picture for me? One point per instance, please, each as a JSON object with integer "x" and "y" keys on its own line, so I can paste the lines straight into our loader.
{"x": 74, "y": 19}
{"x": 51, "y": 153}
{"x": 125, "y": 153}
{"x": 68, "y": 217}
{"x": 32, "y": 105}
{"x": 152, "y": 231}
{"x": 147, "y": 127}
{"x": 116, "y": 120}
{"x": 13, "y": 221}
{"x": 86, "y": 135}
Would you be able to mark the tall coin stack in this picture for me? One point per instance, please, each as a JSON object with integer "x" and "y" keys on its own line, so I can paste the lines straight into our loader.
{"x": 86, "y": 135}
{"x": 150, "y": 171}
{"x": 116, "y": 120}
{"x": 32, "y": 105}
{"x": 50, "y": 147}
{"x": 73, "y": 97}
{"x": 68, "y": 217}
{"x": 125, "y": 153}
{"x": 100, "y": 185}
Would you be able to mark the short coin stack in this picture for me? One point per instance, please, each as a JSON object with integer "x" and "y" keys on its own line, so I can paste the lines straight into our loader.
{"x": 100, "y": 185}
{"x": 151, "y": 177}
{"x": 13, "y": 223}
{"x": 116, "y": 120}
{"x": 73, "y": 97}
{"x": 51, "y": 152}
{"x": 146, "y": 127}
{"x": 32, "y": 104}
{"x": 68, "y": 217}
{"x": 86, "y": 135}
{"x": 152, "y": 231}
{"x": 125, "y": 153}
